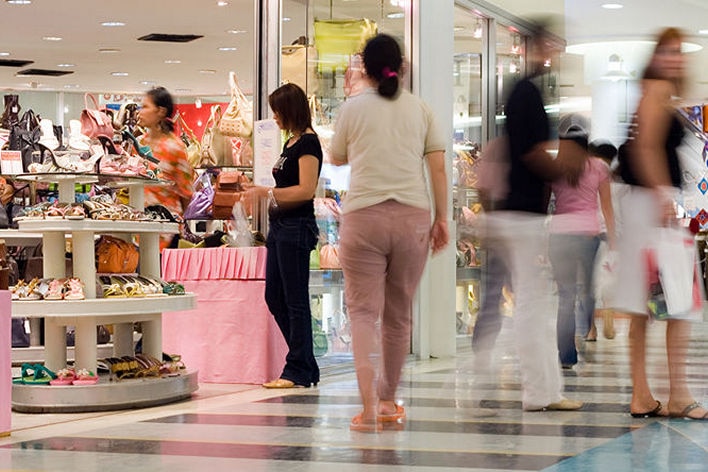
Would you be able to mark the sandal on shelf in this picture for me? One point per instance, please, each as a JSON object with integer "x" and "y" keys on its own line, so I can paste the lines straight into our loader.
{"x": 113, "y": 291}
{"x": 75, "y": 289}
{"x": 35, "y": 374}
{"x": 173, "y": 288}
{"x": 360, "y": 426}
{"x": 64, "y": 377}
{"x": 75, "y": 212}
{"x": 85, "y": 377}
{"x": 56, "y": 211}
{"x": 28, "y": 291}
{"x": 56, "y": 289}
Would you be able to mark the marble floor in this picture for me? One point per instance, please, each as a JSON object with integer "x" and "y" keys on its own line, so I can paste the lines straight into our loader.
{"x": 458, "y": 420}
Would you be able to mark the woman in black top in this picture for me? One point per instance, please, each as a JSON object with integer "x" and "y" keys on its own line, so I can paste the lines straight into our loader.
{"x": 293, "y": 234}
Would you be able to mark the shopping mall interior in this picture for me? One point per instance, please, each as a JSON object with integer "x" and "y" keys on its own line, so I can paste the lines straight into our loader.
{"x": 174, "y": 348}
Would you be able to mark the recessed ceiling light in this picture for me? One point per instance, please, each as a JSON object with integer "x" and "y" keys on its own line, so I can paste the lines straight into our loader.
{"x": 108, "y": 50}
{"x": 110, "y": 24}
{"x": 207, "y": 71}
{"x": 227, "y": 48}
{"x": 66, "y": 65}
{"x": 147, "y": 82}
{"x": 52, "y": 38}
{"x": 119, "y": 74}
{"x": 182, "y": 90}
{"x": 235, "y": 31}
{"x": 70, "y": 86}
{"x": 173, "y": 61}
{"x": 395, "y": 16}
{"x": 286, "y": 18}
{"x": 19, "y": 2}
{"x": 612, "y": 6}
{"x": 703, "y": 31}
{"x": 4, "y": 53}
{"x": 221, "y": 3}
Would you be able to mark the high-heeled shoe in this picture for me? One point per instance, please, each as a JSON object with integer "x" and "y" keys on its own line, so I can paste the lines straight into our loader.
{"x": 143, "y": 151}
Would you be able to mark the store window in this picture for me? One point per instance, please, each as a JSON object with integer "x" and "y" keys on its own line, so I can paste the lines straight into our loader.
{"x": 321, "y": 42}
{"x": 468, "y": 89}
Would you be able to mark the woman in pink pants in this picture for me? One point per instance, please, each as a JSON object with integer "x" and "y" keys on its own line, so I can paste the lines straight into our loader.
{"x": 388, "y": 136}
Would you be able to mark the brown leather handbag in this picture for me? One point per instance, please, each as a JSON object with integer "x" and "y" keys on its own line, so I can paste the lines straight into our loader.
{"x": 229, "y": 188}
{"x": 116, "y": 255}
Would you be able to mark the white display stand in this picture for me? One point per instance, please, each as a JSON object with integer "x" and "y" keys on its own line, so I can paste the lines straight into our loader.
{"x": 85, "y": 315}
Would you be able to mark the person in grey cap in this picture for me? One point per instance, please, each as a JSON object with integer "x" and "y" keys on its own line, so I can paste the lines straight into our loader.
{"x": 574, "y": 240}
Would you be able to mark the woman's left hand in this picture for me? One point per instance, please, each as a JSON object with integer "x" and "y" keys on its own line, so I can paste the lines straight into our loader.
{"x": 439, "y": 235}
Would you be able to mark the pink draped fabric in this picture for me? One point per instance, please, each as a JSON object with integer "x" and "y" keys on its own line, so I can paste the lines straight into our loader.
{"x": 223, "y": 263}
{"x": 231, "y": 336}
{"x": 5, "y": 362}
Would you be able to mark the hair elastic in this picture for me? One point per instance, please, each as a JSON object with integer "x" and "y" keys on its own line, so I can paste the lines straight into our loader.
{"x": 388, "y": 73}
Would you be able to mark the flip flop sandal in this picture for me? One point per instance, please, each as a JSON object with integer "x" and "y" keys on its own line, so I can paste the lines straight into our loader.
{"x": 35, "y": 374}
{"x": 360, "y": 426}
{"x": 685, "y": 413}
{"x": 64, "y": 377}
{"x": 113, "y": 291}
{"x": 85, "y": 377}
{"x": 173, "y": 288}
{"x": 397, "y": 417}
{"x": 650, "y": 414}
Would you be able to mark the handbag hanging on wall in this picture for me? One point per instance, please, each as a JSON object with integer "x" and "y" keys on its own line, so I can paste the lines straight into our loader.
{"x": 237, "y": 120}
{"x": 194, "y": 148}
{"x": 95, "y": 122}
{"x": 216, "y": 148}
{"x": 336, "y": 40}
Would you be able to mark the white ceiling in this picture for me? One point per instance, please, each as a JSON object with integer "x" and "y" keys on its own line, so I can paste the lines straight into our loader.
{"x": 78, "y": 22}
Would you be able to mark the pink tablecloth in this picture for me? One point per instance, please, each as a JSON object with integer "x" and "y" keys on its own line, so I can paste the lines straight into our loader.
{"x": 231, "y": 336}
{"x": 5, "y": 362}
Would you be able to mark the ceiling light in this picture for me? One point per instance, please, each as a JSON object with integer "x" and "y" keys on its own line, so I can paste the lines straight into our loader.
{"x": 108, "y": 50}
{"x": 147, "y": 82}
{"x": 52, "y": 38}
{"x": 71, "y": 86}
{"x": 173, "y": 61}
{"x": 112, "y": 23}
{"x": 221, "y": 3}
{"x": 395, "y": 16}
{"x": 207, "y": 71}
{"x": 4, "y": 53}
{"x": 703, "y": 31}
{"x": 612, "y": 6}
{"x": 19, "y": 2}
{"x": 66, "y": 65}
{"x": 225, "y": 48}
{"x": 183, "y": 90}
{"x": 235, "y": 31}
{"x": 478, "y": 30}
{"x": 457, "y": 29}
{"x": 286, "y": 18}
{"x": 119, "y": 74}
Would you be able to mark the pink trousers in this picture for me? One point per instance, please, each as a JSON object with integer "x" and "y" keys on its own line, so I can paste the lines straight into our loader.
{"x": 383, "y": 250}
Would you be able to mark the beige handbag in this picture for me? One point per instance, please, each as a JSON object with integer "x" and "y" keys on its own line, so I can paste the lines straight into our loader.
{"x": 194, "y": 148}
{"x": 298, "y": 65}
{"x": 216, "y": 148}
{"x": 238, "y": 116}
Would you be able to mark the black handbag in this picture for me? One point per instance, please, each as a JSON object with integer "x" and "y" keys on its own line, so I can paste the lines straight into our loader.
{"x": 24, "y": 137}
{"x": 10, "y": 116}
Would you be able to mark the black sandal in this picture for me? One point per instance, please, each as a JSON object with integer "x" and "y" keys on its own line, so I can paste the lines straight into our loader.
{"x": 650, "y": 414}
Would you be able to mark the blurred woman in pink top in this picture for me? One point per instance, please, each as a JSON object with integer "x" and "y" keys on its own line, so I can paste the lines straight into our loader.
{"x": 574, "y": 239}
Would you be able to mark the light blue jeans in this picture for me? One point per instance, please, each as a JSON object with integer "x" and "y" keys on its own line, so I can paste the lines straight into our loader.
{"x": 573, "y": 259}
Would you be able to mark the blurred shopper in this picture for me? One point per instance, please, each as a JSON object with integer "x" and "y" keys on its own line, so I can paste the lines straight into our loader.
{"x": 605, "y": 260}
{"x": 574, "y": 240}
{"x": 519, "y": 226}
{"x": 653, "y": 170}
{"x": 292, "y": 234}
{"x": 387, "y": 135}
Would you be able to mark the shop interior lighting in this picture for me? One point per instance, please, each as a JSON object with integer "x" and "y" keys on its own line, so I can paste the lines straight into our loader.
{"x": 112, "y": 24}
{"x": 4, "y": 53}
{"x": 19, "y": 2}
{"x": 108, "y": 50}
{"x": 703, "y": 31}
{"x": 52, "y": 38}
{"x": 227, "y": 48}
{"x": 612, "y": 6}
{"x": 478, "y": 30}
{"x": 236, "y": 31}
{"x": 66, "y": 65}
{"x": 221, "y": 3}
{"x": 173, "y": 61}
{"x": 395, "y": 16}
{"x": 119, "y": 74}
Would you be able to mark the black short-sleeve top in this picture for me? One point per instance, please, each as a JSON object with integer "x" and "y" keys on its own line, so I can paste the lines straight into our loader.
{"x": 286, "y": 173}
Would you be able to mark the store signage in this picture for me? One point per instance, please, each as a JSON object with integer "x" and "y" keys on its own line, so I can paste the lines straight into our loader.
{"x": 267, "y": 144}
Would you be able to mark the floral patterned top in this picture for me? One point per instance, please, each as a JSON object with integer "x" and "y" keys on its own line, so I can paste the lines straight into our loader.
{"x": 173, "y": 167}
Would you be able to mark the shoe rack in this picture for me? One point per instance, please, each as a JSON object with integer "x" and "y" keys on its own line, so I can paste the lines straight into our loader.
{"x": 86, "y": 314}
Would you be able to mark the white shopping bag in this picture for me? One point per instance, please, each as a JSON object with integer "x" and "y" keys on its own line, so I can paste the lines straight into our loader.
{"x": 679, "y": 274}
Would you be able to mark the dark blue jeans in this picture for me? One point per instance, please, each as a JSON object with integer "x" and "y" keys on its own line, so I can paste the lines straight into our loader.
{"x": 290, "y": 241}
{"x": 489, "y": 318}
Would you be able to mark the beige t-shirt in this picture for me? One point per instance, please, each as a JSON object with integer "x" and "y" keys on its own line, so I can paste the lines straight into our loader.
{"x": 384, "y": 141}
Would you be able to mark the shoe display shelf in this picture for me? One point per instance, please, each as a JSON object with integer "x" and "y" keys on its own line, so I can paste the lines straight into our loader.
{"x": 86, "y": 314}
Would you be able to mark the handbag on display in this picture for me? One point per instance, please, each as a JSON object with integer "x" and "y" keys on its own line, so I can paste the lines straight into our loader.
{"x": 194, "y": 148}
{"x": 95, "y": 122}
{"x": 25, "y": 136}
{"x": 298, "y": 65}
{"x": 48, "y": 137}
{"x": 216, "y": 148}
{"x": 336, "y": 40}
{"x": 322, "y": 126}
{"x": 115, "y": 255}
{"x": 329, "y": 257}
{"x": 237, "y": 120}
{"x": 229, "y": 188}
{"x": 10, "y": 116}
{"x": 199, "y": 207}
